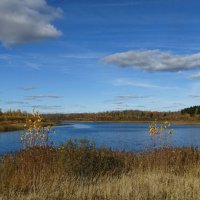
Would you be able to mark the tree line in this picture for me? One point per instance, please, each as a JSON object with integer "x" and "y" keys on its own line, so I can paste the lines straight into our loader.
{"x": 187, "y": 114}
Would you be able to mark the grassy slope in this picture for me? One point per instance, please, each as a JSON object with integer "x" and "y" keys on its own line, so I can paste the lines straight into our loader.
{"x": 82, "y": 172}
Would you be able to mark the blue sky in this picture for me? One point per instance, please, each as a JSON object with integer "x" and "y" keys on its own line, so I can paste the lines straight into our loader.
{"x": 98, "y": 55}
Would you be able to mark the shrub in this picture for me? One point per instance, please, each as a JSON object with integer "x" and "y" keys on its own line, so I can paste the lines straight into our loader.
{"x": 35, "y": 134}
{"x": 160, "y": 133}
{"x": 81, "y": 157}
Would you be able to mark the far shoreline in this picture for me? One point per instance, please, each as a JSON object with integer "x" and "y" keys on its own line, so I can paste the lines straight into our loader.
{"x": 20, "y": 127}
{"x": 135, "y": 122}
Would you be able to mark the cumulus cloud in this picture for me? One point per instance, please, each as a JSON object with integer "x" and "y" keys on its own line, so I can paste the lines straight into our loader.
{"x": 24, "y": 21}
{"x": 154, "y": 60}
{"x": 195, "y": 76}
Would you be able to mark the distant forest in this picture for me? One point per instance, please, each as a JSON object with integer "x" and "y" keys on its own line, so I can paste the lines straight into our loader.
{"x": 194, "y": 110}
{"x": 187, "y": 114}
{"x": 191, "y": 114}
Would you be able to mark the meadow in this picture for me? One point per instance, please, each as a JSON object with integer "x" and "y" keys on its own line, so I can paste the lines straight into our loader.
{"x": 78, "y": 170}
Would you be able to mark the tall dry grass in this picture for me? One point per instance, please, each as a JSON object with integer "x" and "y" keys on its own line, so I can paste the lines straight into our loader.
{"x": 152, "y": 185}
{"x": 79, "y": 171}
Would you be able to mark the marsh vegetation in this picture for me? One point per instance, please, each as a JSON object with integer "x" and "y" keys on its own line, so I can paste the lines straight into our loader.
{"x": 78, "y": 170}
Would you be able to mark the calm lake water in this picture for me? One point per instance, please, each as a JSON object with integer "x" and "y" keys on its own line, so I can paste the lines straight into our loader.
{"x": 123, "y": 136}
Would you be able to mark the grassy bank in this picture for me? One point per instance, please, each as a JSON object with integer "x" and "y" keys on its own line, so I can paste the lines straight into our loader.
{"x": 5, "y": 127}
{"x": 79, "y": 171}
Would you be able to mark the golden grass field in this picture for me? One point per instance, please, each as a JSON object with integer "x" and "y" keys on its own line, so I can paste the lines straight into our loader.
{"x": 80, "y": 171}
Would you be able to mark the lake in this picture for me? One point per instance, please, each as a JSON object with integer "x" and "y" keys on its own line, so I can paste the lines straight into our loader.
{"x": 123, "y": 136}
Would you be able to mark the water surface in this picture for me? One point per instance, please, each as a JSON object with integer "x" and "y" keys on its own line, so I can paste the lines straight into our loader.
{"x": 123, "y": 136}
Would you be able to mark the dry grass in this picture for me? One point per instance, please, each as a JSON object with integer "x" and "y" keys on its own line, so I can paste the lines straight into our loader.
{"x": 79, "y": 171}
{"x": 4, "y": 127}
{"x": 134, "y": 186}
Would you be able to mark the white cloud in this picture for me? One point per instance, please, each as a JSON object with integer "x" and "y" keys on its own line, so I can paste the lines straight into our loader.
{"x": 16, "y": 102}
{"x": 154, "y": 60}
{"x": 195, "y": 76}
{"x": 126, "y": 82}
{"x": 132, "y": 97}
{"x": 45, "y": 107}
{"x": 119, "y": 103}
{"x": 25, "y": 88}
{"x": 195, "y": 96}
{"x": 38, "y": 97}
{"x": 24, "y": 21}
